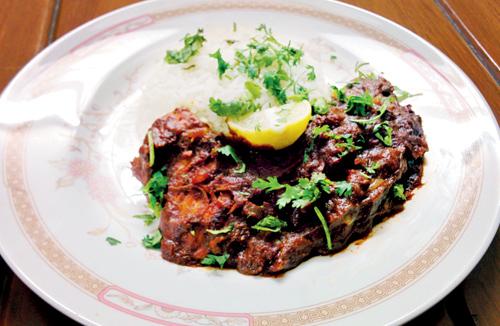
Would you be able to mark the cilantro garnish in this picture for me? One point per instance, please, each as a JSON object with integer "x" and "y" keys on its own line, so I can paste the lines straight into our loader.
{"x": 302, "y": 194}
{"x": 320, "y": 105}
{"x": 222, "y": 65}
{"x": 192, "y": 45}
{"x": 227, "y": 229}
{"x": 365, "y": 175}
{"x": 348, "y": 144}
{"x": 402, "y": 95}
{"x": 267, "y": 61}
{"x": 235, "y": 27}
{"x": 308, "y": 150}
{"x": 399, "y": 191}
{"x": 253, "y": 88}
{"x": 232, "y": 109}
{"x": 319, "y": 130}
{"x": 189, "y": 67}
{"x": 383, "y": 133}
{"x": 361, "y": 74}
{"x": 152, "y": 241}
{"x": 311, "y": 74}
{"x": 154, "y": 190}
{"x": 333, "y": 57}
{"x": 381, "y": 111}
{"x": 212, "y": 260}
{"x": 147, "y": 218}
{"x": 357, "y": 104}
{"x": 113, "y": 241}
{"x": 300, "y": 92}
{"x": 228, "y": 150}
{"x": 372, "y": 167}
{"x": 343, "y": 188}
{"x": 325, "y": 228}
{"x": 305, "y": 192}
{"x": 269, "y": 185}
{"x": 345, "y": 141}
{"x": 270, "y": 223}
{"x": 151, "y": 148}
{"x": 338, "y": 94}
{"x": 315, "y": 133}
{"x": 272, "y": 82}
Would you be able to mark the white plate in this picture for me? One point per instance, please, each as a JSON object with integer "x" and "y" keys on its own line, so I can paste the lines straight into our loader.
{"x": 68, "y": 129}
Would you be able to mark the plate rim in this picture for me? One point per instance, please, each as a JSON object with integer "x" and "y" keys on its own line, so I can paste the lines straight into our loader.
{"x": 429, "y": 302}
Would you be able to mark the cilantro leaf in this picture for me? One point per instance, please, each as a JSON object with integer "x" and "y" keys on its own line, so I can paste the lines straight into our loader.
{"x": 270, "y": 223}
{"x": 212, "y": 260}
{"x": 357, "y": 104}
{"x": 343, "y": 188}
{"x": 228, "y": 150}
{"x": 347, "y": 144}
{"x": 152, "y": 241}
{"x": 147, "y": 218}
{"x": 305, "y": 192}
{"x": 290, "y": 194}
{"x": 372, "y": 167}
{"x": 402, "y": 95}
{"x": 361, "y": 74}
{"x": 272, "y": 82}
{"x": 311, "y": 74}
{"x": 189, "y": 67}
{"x": 222, "y": 65}
{"x": 253, "y": 88}
{"x": 300, "y": 92}
{"x": 383, "y": 133}
{"x": 227, "y": 229}
{"x": 232, "y": 109}
{"x": 269, "y": 185}
{"x": 192, "y": 45}
{"x": 326, "y": 229}
{"x": 320, "y": 105}
{"x": 151, "y": 148}
{"x": 113, "y": 241}
{"x": 154, "y": 190}
{"x": 338, "y": 94}
{"x": 319, "y": 130}
{"x": 381, "y": 110}
{"x": 399, "y": 191}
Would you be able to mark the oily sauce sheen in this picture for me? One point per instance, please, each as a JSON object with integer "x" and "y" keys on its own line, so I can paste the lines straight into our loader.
{"x": 205, "y": 192}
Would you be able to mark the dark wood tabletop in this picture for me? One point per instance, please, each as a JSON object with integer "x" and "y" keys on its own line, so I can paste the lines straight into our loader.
{"x": 466, "y": 31}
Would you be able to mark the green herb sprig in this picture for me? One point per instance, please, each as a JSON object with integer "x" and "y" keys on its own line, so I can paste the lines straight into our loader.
{"x": 227, "y": 229}
{"x": 211, "y": 260}
{"x": 228, "y": 150}
{"x": 326, "y": 229}
{"x": 270, "y": 224}
{"x": 399, "y": 191}
{"x": 222, "y": 65}
{"x": 112, "y": 241}
{"x": 192, "y": 45}
{"x": 152, "y": 241}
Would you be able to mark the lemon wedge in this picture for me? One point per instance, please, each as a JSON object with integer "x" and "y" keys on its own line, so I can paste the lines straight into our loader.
{"x": 277, "y": 127}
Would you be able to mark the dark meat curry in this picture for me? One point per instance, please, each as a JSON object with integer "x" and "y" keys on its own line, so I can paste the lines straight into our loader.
{"x": 265, "y": 211}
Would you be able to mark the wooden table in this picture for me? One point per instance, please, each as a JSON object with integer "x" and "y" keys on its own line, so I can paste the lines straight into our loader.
{"x": 466, "y": 31}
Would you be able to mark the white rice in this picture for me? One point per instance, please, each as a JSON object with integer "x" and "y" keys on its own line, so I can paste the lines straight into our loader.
{"x": 172, "y": 86}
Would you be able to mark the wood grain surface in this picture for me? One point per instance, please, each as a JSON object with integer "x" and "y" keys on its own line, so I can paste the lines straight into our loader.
{"x": 23, "y": 32}
{"x": 27, "y": 26}
{"x": 483, "y": 37}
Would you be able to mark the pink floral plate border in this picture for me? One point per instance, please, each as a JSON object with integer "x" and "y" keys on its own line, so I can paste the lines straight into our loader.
{"x": 161, "y": 313}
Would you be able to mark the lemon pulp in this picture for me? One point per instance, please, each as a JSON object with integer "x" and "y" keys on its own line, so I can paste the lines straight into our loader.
{"x": 277, "y": 127}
